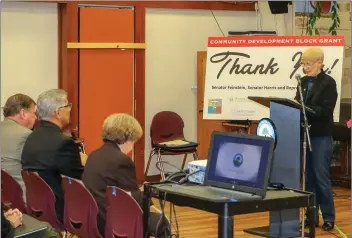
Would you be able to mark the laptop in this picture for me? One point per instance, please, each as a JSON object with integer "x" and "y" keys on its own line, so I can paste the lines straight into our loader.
{"x": 30, "y": 226}
{"x": 237, "y": 169}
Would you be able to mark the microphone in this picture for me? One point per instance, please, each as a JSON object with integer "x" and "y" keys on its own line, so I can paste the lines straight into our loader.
{"x": 298, "y": 78}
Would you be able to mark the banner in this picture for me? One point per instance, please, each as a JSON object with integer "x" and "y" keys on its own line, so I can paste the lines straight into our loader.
{"x": 264, "y": 66}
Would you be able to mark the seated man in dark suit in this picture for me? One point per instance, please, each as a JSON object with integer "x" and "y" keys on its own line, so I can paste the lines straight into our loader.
{"x": 47, "y": 150}
{"x": 110, "y": 166}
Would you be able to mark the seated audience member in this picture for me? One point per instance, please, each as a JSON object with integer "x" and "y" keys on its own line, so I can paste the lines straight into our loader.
{"x": 110, "y": 166}
{"x": 12, "y": 219}
{"x": 19, "y": 118}
{"x": 48, "y": 151}
{"x": 8, "y": 223}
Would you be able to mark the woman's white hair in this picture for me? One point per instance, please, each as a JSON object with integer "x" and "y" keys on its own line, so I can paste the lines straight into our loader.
{"x": 121, "y": 128}
{"x": 49, "y": 101}
{"x": 313, "y": 54}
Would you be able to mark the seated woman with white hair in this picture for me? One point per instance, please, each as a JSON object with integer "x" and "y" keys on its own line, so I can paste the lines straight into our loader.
{"x": 110, "y": 165}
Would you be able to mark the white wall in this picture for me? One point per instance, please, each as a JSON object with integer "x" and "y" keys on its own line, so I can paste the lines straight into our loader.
{"x": 29, "y": 48}
{"x": 173, "y": 38}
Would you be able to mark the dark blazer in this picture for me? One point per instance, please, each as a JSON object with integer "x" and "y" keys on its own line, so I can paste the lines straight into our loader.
{"x": 108, "y": 166}
{"x": 322, "y": 99}
{"x": 52, "y": 154}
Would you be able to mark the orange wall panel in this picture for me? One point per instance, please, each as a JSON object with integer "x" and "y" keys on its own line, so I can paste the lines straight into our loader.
{"x": 106, "y": 76}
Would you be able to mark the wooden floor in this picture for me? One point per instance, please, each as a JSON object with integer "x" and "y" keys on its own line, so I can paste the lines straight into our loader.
{"x": 198, "y": 224}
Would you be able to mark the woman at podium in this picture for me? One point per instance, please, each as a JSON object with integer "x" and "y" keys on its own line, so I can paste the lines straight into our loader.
{"x": 320, "y": 94}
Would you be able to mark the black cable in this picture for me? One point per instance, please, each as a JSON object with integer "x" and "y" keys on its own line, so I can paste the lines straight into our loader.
{"x": 162, "y": 206}
{"x": 177, "y": 230}
{"x": 171, "y": 219}
{"x": 216, "y": 20}
{"x": 166, "y": 162}
{"x": 174, "y": 174}
{"x": 171, "y": 224}
{"x": 170, "y": 177}
{"x": 187, "y": 176}
{"x": 172, "y": 208}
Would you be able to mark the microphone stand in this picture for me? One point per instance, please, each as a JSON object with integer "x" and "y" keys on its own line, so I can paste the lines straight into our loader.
{"x": 306, "y": 138}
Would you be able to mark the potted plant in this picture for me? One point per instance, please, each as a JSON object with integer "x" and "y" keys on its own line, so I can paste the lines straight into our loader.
{"x": 321, "y": 7}
{"x": 324, "y": 5}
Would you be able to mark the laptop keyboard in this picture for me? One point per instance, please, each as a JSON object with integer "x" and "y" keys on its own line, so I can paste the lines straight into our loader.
{"x": 234, "y": 195}
{"x": 212, "y": 193}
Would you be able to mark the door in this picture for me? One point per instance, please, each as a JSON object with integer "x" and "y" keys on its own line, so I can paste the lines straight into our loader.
{"x": 204, "y": 127}
{"x": 106, "y": 76}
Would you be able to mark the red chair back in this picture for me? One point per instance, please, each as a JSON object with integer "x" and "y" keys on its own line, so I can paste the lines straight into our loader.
{"x": 40, "y": 199}
{"x": 81, "y": 210}
{"x": 166, "y": 126}
{"x": 11, "y": 192}
{"x": 124, "y": 216}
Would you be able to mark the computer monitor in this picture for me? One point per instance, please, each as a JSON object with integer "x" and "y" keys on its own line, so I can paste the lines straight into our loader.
{"x": 239, "y": 162}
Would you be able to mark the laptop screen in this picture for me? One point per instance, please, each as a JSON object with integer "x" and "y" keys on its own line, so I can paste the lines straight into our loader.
{"x": 239, "y": 160}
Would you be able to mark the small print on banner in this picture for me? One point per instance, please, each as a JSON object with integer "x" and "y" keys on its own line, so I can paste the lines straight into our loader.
{"x": 264, "y": 66}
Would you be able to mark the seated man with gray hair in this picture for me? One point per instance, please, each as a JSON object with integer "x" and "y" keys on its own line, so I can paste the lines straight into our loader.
{"x": 47, "y": 150}
{"x": 110, "y": 165}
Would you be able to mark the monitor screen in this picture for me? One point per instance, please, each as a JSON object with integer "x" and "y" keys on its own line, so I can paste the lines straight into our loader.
{"x": 239, "y": 160}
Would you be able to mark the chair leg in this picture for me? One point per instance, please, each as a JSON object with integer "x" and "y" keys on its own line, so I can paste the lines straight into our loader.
{"x": 152, "y": 153}
{"x": 184, "y": 161}
{"x": 162, "y": 171}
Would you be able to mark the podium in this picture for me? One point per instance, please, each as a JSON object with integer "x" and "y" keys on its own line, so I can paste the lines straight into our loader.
{"x": 286, "y": 169}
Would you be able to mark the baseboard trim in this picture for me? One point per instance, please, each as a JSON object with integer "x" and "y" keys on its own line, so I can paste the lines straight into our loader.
{"x": 341, "y": 182}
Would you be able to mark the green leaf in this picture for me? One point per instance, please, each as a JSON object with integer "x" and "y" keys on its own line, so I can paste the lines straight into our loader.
{"x": 316, "y": 31}
{"x": 314, "y": 20}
